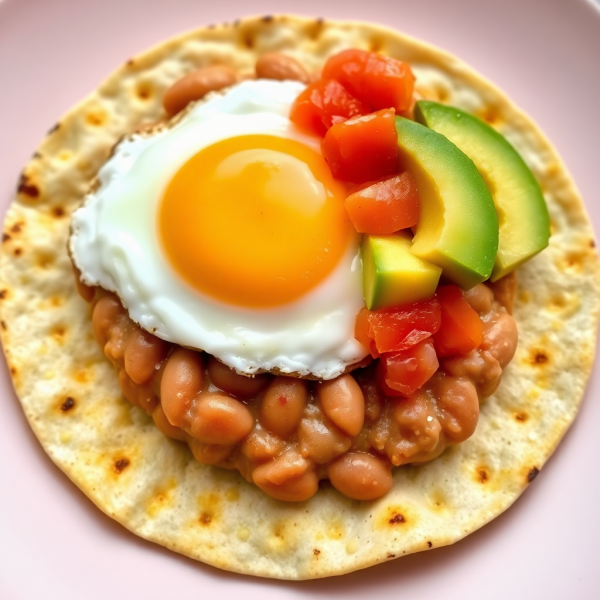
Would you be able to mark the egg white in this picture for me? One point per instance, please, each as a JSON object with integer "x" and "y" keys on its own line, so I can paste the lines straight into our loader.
{"x": 114, "y": 243}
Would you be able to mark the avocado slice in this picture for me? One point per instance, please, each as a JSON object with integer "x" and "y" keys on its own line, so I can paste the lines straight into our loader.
{"x": 392, "y": 276}
{"x": 458, "y": 226}
{"x": 522, "y": 213}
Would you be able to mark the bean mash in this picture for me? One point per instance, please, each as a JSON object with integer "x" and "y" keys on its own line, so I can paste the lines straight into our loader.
{"x": 286, "y": 434}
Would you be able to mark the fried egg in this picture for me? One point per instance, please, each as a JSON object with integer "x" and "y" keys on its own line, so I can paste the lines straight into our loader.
{"x": 226, "y": 232}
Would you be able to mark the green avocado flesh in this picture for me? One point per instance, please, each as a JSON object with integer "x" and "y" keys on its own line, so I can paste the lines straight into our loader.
{"x": 522, "y": 212}
{"x": 392, "y": 276}
{"x": 458, "y": 226}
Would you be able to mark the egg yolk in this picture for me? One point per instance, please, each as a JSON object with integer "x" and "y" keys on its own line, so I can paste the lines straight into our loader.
{"x": 255, "y": 221}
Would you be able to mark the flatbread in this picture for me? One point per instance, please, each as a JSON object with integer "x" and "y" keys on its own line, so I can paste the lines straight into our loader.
{"x": 152, "y": 485}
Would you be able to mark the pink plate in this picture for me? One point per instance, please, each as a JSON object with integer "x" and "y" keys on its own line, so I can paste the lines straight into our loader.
{"x": 54, "y": 544}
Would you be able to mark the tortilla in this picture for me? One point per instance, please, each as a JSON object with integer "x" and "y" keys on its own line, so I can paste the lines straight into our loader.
{"x": 152, "y": 485}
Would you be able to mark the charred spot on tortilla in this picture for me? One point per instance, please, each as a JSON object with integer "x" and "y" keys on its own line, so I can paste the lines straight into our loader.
{"x": 121, "y": 464}
{"x": 205, "y": 519}
{"x": 540, "y": 357}
{"x": 397, "y": 519}
{"x": 483, "y": 474}
{"x": 27, "y": 188}
{"x": 67, "y": 404}
{"x": 532, "y": 474}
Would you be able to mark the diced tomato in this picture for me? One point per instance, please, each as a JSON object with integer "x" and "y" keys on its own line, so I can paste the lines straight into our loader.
{"x": 363, "y": 148}
{"x": 362, "y": 329}
{"x": 403, "y": 373}
{"x": 324, "y": 103}
{"x": 398, "y": 328}
{"x": 461, "y": 330}
{"x": 383, "y": 386}
{"x": 386, "y": 206}
{"x": 381, "y": 81}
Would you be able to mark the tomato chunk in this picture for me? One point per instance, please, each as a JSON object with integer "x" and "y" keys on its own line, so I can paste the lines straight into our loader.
{"x": 363, "y": 148}
{"x": 461, "y": 329}
{"x": 362, "y": 329}
{"x": 403, "y": 373}
{"x": 386, "y": 206}
{"x": 381, "y": 81}
{"x": 324, "y": 103}
{"x": 398, "y": 328}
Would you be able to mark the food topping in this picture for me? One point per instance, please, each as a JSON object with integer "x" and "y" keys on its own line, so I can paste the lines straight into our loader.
{"x": 523, "y": 216}
{"x": 384, "y": 207}
{"x": 392, "y": 275}
{"x": 458, "y": 225}
{"x": 362, "y": 148}
{"x": 399, "y": 328}
{"x": 323, "y": 104}
{"x": 379, "y": 81}
{"x": 225, "y": 231}
{"x": 461, "y": 329}
{"x": 403, "y": 373}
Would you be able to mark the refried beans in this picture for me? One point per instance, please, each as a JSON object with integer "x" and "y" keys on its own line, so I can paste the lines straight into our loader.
{"x": 286, "y": 434}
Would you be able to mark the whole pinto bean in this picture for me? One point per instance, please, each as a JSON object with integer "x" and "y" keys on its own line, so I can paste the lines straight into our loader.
{"x": 500, "y": 337}
{"x": 105, "y": 316}
{"x": 282, "y": 405}
{"x": 289, "y": 477}
{"x": 274, "y": 65}
{"x": 459, "y": 407}
{"x": 220, "y": 419}
{"x": 343, "y": 402}
{"x": 196, "y": 85}
{"x": 319, "y": 439}
{"x": 360, "y": 476}
{"x": 480, "y": 298}
{"x": 143, "y": 354}
{"x": 181, "y": 382}
{"x": 261, "y": 446}
{"x": 232, "y": 383}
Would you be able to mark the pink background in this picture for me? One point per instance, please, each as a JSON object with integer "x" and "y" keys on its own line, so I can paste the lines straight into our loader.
{"x": 55, "y": 544}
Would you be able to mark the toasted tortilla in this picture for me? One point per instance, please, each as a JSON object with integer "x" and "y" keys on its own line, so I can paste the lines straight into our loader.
{"x": 151, "y": 484}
